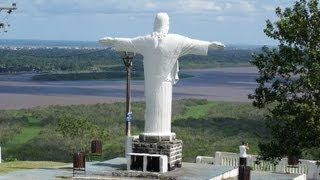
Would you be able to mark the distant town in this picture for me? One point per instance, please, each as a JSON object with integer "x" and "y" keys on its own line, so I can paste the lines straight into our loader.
{"x": 54, "y": 44}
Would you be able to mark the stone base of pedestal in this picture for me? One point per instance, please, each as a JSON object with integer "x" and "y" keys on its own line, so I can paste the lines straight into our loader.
{"x": 157, "y": 145}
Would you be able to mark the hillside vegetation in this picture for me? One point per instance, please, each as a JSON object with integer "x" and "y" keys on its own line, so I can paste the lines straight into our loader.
{"x": 204, "y": 127}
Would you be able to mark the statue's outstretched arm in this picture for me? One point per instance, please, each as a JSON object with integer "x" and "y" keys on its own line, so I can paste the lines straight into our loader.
{"x": 198, "y": 47}
{"x": 107, "y": 41}
{"x": 216, "y": 45}
{"x": 120, "y": 44}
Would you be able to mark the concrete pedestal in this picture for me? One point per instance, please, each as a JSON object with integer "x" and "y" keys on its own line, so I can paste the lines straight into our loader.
{"x": 168, "y": 146}
{"x": 148, "y": 162}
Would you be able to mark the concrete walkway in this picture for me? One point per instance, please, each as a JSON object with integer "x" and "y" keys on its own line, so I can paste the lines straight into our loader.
{"x": 117, "y": 166}
{"x": 106, "y": 170}
{"x": 65, "y": 172}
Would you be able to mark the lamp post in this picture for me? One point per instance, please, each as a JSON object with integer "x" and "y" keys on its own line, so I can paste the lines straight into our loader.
{"x": 127, "y": 60}
{"x": 2, "y": 26}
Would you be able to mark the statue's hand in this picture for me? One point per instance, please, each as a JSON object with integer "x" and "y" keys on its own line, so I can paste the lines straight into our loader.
{"x": 107, "y": 41}
{"x": 216, "y": 45}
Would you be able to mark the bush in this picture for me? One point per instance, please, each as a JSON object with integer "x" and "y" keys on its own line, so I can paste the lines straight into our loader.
{"x": 46, "y": 147}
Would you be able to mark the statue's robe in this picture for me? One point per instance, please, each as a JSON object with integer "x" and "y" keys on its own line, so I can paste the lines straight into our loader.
{"x": 160, "y": 61}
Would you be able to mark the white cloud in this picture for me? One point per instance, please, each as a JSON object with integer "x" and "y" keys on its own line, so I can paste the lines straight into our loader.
{"x": 150, "y": 5}
{"x": 247, "y": 6}
{"x": 132, "y": 18}
{"x": 239, "y": 6}
{"x": 268, "y": 7}
{"x": 216, "y": 8}
{"x": 198, "y": 6}
{"x": 228, "y": 5}
{"x": 220, "y": 18}
{"x": 117, "y": 6}
{"x": 90, "y": 19}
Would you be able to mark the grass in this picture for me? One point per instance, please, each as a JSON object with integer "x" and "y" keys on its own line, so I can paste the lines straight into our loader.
{"x": 27, "y": 133}
{"x": 197, "y": 111}
{"x": 33, "y": 121}
{"x": 21, "y": 165}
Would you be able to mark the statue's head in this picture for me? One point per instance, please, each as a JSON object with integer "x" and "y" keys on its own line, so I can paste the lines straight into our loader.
{"x": 161, "y": 23}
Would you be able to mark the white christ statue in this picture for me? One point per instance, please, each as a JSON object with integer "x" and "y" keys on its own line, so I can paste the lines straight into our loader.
{"x": 160, "y": 52}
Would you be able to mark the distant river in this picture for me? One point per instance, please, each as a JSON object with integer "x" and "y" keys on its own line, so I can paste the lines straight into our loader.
{"x": 221, "y": 84}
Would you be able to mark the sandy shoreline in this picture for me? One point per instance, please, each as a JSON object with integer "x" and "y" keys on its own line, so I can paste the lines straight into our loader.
{"x": 221, "y": 84}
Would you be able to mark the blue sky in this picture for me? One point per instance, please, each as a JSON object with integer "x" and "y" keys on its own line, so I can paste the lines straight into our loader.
{"x": 228, "y": 21}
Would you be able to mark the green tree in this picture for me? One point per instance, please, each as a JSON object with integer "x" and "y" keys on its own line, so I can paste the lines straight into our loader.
{"x": 79, "y": 131}
{"x": 289, "y": 81}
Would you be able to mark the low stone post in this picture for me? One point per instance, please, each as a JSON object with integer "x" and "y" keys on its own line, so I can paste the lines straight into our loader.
{"x": 217, "y": 158}
{"x": 280, "y": 167}
{"x": 129, "y": 149}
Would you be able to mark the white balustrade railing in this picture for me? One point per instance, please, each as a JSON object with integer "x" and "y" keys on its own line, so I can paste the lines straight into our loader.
{"x": 308, "y": 167}
{"x": 205, "y": 160}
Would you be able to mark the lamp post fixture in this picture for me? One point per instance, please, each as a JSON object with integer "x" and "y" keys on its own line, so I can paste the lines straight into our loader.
{"x": 9, "y": 9}
{"x": 127, "y": 60}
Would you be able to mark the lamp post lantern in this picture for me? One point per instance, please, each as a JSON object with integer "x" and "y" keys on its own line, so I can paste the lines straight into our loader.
{"x": 8, "y": 9}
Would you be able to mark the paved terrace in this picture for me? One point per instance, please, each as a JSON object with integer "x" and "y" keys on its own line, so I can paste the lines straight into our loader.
{"x": 106, "y": 170}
